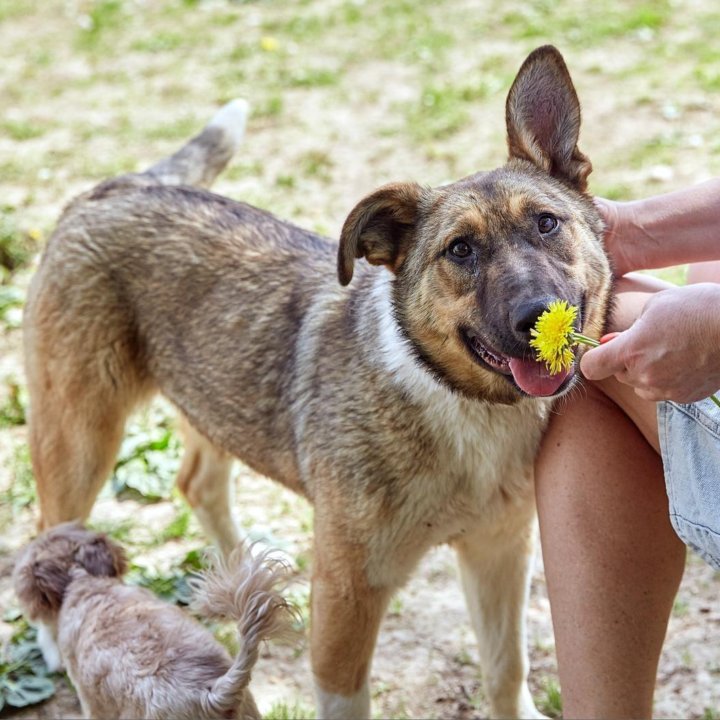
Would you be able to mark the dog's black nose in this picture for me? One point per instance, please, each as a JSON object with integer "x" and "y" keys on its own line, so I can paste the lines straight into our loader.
{"x": 525, "y": 315}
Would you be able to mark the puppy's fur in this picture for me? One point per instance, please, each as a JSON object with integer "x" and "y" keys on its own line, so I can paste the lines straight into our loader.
{"x": 393, "y": 402}
{"x": 128, "y": 654}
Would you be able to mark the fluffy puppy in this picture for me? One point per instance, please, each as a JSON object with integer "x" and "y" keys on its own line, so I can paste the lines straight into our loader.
{"x": 130, "y": 655}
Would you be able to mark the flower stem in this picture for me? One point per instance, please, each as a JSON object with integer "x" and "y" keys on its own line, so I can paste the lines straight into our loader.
{"x": 584, "y": 339}
{"x": 715, "y": 400}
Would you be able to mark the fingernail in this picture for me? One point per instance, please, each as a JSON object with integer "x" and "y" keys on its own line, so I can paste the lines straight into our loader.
{"x": 608, "y": 337}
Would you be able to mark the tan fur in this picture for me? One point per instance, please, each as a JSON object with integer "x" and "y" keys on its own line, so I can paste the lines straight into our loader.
{"x": 366, "y": 396}
{"x": 128, "y": 654}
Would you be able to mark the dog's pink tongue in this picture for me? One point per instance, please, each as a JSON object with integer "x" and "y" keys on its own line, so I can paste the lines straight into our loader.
{"x": 534, "y": 378}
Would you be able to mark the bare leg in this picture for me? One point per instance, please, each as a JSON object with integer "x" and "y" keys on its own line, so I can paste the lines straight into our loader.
{"x": 204, "y": 479}
{"x": 704, "y": 272}
{"x": 495, "y": 576}
{"x": 612, "y": 560}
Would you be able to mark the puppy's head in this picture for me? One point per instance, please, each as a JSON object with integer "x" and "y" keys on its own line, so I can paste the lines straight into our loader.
{"x": 476, "y": 262}
{"x": 46, "y": 567}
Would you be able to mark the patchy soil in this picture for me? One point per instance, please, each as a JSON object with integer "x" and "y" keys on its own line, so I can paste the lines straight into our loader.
{"x": 347, "y": 94}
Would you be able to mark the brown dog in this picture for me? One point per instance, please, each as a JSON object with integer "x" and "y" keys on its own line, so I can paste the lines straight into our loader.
{"x": 406, "y": 405}
{"x": 130, "y": 655}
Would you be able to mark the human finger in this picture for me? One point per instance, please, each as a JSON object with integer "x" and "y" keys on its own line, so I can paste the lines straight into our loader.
{"x": 604, "y": 361}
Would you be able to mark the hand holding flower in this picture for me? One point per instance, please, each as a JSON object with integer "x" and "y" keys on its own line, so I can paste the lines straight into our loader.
{"x": 672, "y": 352}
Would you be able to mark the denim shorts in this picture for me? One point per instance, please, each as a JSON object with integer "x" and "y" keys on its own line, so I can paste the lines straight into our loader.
{"x": 690, "y": 445}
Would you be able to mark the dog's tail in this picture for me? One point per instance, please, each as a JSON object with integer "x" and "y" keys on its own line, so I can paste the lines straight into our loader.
{"x": 200, "y": 160}
{"x": 246, "y": 588}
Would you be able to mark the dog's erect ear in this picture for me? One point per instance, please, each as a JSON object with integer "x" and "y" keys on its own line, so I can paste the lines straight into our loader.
{"x": 102, "y": 557}
{"x": 380, "y": 228}
{"x": 543, "y": 118}
{"x": 40, "y": 586}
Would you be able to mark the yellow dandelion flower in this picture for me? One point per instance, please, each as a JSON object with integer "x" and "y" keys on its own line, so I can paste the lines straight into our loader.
{"x": 553, "y": 336}
{"x": 268, "y": 43}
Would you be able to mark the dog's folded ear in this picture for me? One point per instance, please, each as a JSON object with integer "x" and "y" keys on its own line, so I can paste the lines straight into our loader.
{"x": 380, "y": 228}
{"x": 543, "y": 118}
{"x": 101, "y": 557}
{"x": 40, "y": 586}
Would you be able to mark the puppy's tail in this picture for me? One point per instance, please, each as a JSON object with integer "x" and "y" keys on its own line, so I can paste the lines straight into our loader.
{"x": 247, "y": 588}
{"x": 200, "y": 160}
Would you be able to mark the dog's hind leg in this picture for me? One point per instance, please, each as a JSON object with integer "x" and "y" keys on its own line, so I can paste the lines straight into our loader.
{"x": 495, "y": 575}
{"x": 79, "y": 401}
{"x": 204, "y": 479}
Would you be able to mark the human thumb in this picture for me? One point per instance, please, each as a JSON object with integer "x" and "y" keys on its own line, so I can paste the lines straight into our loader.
{"x": 606, "y": 360}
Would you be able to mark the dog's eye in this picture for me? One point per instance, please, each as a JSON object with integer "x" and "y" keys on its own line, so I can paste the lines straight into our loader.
{"x": 460, "y": 250}
{"x": 547, "y": 223}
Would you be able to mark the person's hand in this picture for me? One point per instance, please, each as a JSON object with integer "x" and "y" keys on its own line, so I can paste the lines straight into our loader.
{"x": 672, "y": 352}
{"x": 619, "y": 228}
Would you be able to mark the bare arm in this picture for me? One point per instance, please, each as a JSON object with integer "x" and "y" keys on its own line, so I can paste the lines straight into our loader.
{"x": 678, "y": 227}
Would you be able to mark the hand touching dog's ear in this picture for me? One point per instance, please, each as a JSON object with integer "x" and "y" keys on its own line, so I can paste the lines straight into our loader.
{"x": 380, "y": 228}
{"x": 543, "y": 118}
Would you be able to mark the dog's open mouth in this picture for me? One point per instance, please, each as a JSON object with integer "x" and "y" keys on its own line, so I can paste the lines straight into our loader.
{"x": 529, "y": 375}
{"x": 485, "y": 354}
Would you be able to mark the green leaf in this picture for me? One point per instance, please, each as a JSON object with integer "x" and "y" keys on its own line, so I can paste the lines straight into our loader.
{"x": 28, "y": 690}
{"x": 12, "y": 614}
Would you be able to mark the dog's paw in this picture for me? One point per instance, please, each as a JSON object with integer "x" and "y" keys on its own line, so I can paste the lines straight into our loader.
{"x": 522, "y": 707}
{"x": 49, "y": 649}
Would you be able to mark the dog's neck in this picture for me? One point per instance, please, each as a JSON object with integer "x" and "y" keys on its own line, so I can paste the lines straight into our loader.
{"x": 400, "y": 357}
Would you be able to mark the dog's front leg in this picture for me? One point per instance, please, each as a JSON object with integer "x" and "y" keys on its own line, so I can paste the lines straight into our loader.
{"x": 346, "y": 616}
{"x": 495, "y": 574}
{"x": 47, "y": 641}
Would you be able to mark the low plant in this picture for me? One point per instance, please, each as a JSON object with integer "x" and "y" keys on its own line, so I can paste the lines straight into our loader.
{"x": 24, "y": 677}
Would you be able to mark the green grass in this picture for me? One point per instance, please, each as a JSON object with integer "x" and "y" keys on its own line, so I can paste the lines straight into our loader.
{"x": 105, "y": 18}
{"x": 657, "y": 150}
{"x": 285, "y": 711}
{"x": 680, "y": 607}
{"x": 14, "y": 410}
{"x": 163, "y": 41}
{"x": 20, "y": 130}
{"x": 178, "y": 129}
{"x": 168, "y": 583}
{"x": 600, "y": 21}
{"x": 441, "y": 111}
{"x": 20, "y": 492}
{"x": 16, "y": 246}
{"x": 316, "y": 164}
{"x": 550, "y": 700}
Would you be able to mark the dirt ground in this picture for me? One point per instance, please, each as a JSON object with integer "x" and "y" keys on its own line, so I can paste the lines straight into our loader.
{"x": 347, "y": 94}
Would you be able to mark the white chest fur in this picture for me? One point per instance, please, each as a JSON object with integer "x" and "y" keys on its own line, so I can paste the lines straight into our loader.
{"x": 485, "y": 451}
